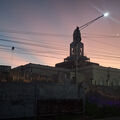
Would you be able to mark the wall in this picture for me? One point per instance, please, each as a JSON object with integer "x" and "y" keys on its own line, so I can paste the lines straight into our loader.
{"x": 104, "y": 96}
{"x": 20, "y": 99}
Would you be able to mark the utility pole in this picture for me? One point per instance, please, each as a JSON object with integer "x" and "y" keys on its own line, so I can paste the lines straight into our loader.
{"x": 76, "y": 65}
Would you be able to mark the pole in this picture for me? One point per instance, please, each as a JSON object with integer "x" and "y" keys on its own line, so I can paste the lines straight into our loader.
{"x": 76, "y": 63}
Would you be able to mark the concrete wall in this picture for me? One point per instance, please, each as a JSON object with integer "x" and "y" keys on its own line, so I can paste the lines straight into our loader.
{"x": 16, "y": 100}
{"x": 104, "y": 96}
{"x": 20, "y": 99}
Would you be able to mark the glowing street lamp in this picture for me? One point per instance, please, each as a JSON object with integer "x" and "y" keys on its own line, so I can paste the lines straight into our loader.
{"x": 85, "y": 25}
{"x": 106, "y": 14}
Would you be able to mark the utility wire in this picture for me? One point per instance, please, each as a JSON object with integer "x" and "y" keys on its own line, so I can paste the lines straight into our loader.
{"x": 49, "y": 51}
{"x": 91, "y": 50}
{"x": 35, "y": 33}
{"x": 37, "y": 41}
{"x": 55, "y": 35}
{"x": 90, "y": 53}
{"x": 105, "y": 55}
{"x": 32, "y": 44}
{"x": 100, "y": 35}
{"x": 35, "y": 51}
{"x": 95, "y": 55}
{"x": 16, "y": 52}
{"x": 35, "y": 54}
{"x": 105, "y": 43}
{"x": 102, "y": 52}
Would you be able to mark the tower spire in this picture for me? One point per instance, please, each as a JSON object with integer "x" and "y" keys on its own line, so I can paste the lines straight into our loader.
{"x": 76, "y": 48}
{"x": 76, "y": 57}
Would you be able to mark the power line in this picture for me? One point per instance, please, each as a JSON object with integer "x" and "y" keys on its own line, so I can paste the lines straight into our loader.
{"x": 100, "y": 35}
{"x": 35, "y": 33}
{"x": 45, "y": 34}
{"x": 5, "y": 45}
{"x": 103, "y": 55}
{"x": 105, "y": 43}
{"x": 96, "y": 55}
{"x": 39, "y": 55}
{"x": 101, "y": 52}
{"x": 110, "y": 62}
{"x": 19, "y": 38}
{"x": 34, "y": 51}
{"x": 18, "y": 52}
{"x": 32, "y": 44}
{"x": 53, "y": 34}
{"x": 48, "y": 51}
{"x": 8, "y": 50}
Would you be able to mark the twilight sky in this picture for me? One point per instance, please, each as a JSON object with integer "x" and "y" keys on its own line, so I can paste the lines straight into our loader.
{"x": 41, "y": 31}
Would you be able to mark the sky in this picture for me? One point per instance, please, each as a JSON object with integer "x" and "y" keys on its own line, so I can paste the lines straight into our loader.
{"x": 41, "y": 31}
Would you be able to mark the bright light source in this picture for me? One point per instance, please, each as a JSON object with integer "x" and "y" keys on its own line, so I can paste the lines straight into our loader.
{"x": 106, "y": 14}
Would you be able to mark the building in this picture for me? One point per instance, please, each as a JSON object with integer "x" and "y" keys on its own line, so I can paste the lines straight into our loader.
{"x": 106, "y": 76}
{"x": 99, "y": 76}
{"x": 36, "y": 72}
{"x": 85, "y": 72}
{"x": 76, "y": 58}
{"x": 38, "y": 90}
{"x": 76, "y": 68}
{"x": 5, "y": 73}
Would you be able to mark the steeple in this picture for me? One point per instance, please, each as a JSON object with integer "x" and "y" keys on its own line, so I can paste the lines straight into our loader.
{"x": 76, "y": 59}
{"x": 76, "y": 48}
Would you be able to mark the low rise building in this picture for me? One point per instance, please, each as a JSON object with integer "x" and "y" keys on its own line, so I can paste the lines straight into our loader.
{"x": 98, "y": 76}
{"x": 76, "y": 68}
{"x": 36, "y": 72}
{"x": 5, "y": 73}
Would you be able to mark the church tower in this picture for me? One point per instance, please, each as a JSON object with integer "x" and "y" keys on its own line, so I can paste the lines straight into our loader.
{"x": 76, "y": 48}
{"x": 76, "y": 57}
